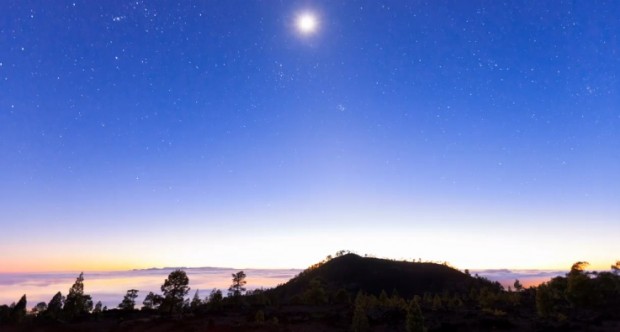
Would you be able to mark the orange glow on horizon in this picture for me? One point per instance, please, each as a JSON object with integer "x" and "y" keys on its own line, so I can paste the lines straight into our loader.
{"x": 111, "y": 265}
{"x": 484, "y": 248}
{"x": 69, "y": 265}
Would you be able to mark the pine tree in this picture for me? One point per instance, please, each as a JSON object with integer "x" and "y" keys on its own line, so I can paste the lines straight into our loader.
{"x": 196, "y": 302}
{"x": 151, "y": 301}
{"x": 360, "y": 320}
{"x": 237, "y": 288}
{"x": 414, "y": 320}
{"x": 77, "y": 303}
{"x": 214, "y": 300}
{"x": 54, "y": 307}
{"x": 129, "y": 301}
{"x": 544, "y": 300}
{"x": 315, "y": 294}
{"x": 437, "y": 304}
{"x": 18, "y": 312}
{"x": 616, "y": 268}
{"x": 383, "y": 299}
{"x": 259, "y": 318}
{"x": 518, "y": 285}
{"x": 175, "y": 288}
{"x": 98, "y": 308}
{"x": 39, "y": 309}
{"x": 342, "y": 297}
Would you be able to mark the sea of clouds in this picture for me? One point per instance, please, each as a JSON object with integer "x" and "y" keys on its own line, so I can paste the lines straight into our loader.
{"x": 109, "y": 287}
{"x": 527, "y": 278}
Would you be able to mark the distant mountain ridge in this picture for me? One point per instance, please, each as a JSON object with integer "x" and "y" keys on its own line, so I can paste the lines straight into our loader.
{"x": 182, "y": 268}
{"x": 215, "y": 268}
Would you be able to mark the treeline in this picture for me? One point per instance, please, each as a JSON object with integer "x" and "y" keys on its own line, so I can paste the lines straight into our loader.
{"x": 77, "y": 306}
{"x": 580, "y": 297}
{"x": 74, "y": 305}
{"x": 395, "y": 311}
{"x": 580, "y": 294}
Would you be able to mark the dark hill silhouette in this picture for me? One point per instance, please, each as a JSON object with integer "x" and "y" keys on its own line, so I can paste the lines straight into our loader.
{"x": 373, "y": 275}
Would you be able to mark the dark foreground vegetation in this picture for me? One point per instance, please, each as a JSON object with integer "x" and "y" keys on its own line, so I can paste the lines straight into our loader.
{"x": 345, "y": 293}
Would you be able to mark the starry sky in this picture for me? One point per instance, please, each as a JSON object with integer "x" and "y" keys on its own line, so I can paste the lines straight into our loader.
{"x": 218, "y": 133}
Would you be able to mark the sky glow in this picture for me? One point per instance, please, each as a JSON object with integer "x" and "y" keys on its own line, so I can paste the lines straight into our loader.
{"x": 140, "y": 134}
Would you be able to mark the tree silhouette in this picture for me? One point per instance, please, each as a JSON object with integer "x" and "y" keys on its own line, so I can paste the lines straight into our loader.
{"x": 384, "y": 299}
{"x": 196, "y": 301}
{"x": 214, "y": 301}
{"x": 414, "y": 320}
{"x": 39, "y": 308}
{"x": 578, "y": 290}
{"x": 151, "y": 301}
{"x": 315, "y": 294}
{"x": 174, "y": 289}
{"x": 129, "y": 301}
{"x": 77, "y": 303}
{"x": 342, "y": 297}
{"x": 98, "y": 308}
{"x": 54, "y": 307}
{"x": 437, "y": 303}
{"x": 518, "y": 285}
{"x": 5, "y": 313}
{"x": 238, "y": 282}
{"x": 359, "y": 322}
{"x": 259, "y": 318}
{"x": 578, "y": 268}
{"x": 18, "y": 312}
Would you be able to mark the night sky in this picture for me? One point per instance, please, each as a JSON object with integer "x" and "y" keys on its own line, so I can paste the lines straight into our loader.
{"x": 272, "y": 133}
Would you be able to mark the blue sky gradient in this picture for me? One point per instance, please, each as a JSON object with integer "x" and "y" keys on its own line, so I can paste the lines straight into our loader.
{"x": 176, "y": 130}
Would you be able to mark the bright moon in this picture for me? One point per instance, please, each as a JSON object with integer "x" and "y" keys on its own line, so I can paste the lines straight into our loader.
{"x": 307, "y": 23}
